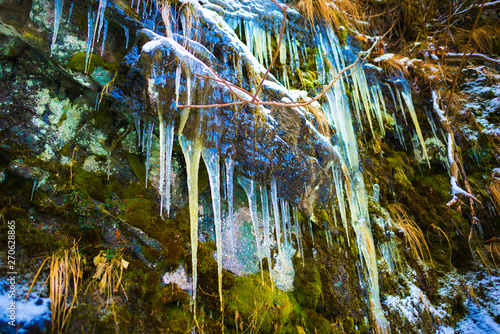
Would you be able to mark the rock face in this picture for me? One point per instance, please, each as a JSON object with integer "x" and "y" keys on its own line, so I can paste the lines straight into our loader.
{"x": 100, "y": 117}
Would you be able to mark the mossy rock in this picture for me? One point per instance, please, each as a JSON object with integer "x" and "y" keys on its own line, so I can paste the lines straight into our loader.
{"x": 256, "y": 306}
{"x": 78, "y": 61}
{"x": 307, "y": 285}
{"x": 139, "y": 212}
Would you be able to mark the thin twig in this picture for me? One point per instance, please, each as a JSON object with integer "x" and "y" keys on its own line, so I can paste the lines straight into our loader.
{"x": 294, "y": 104}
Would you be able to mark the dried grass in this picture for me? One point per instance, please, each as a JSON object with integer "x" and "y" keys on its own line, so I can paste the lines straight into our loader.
{"x": 64, "y": 279}
{"x": 394, "y": 66}
{"x": 494, "y": 190}
{"x": 483, "y": 40}
{"x": 414, "y": 236}
{"x": 331, "y": 13}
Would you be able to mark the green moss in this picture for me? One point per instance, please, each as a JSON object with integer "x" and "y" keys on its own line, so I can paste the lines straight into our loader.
{"x": 78, "y": 60}
{"x": 138, "y": 212}
{"x": 33, "y": 241}
{"x": 315, "y": 323}
{"x": 89, "y": 183}
{"x": 257, "y": 307}
{"x": 307, "y": 286}
{"x": 173, "y": 234}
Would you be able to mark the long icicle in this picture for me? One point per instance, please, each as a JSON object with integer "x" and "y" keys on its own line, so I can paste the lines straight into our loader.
{"x": 249, "y": 186}
{"x": 212, "y": 162}
{"x": 230, "y": 198}
{"x": 169, "y": 145}
{"x": 57, "y": 20}
{"x": 192, "y": 153}
{"x": 276, "y": 212}
{"x": 265, "y": 215}
{"x": 161, "y": 125}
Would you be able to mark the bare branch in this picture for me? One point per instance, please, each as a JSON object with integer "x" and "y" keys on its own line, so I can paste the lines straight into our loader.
{"x": 289, "y": 104}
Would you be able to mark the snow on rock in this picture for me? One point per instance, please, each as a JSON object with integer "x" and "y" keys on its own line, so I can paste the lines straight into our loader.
{"x": 414, "y": 305}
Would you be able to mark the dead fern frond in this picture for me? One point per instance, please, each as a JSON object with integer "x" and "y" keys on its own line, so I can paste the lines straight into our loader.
{"x": 494, "y": 250}
{"x": 414, "y": 236}
{"x": 109, "y": 271}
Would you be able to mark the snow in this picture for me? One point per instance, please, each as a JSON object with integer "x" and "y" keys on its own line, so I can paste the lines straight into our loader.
{"x": 178, "y": 277}
{"x": 30, "y": 314}
{"x": 435, "y": 105}
{"x": 412, "y": 306}
{"x": 384, "y": 57}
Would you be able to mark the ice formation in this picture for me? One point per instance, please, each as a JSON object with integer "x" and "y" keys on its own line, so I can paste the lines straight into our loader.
{"x": 278, "y": 221}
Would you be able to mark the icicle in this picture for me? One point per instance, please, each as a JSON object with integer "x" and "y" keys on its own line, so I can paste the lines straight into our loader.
{"x": 298, "y": 233}
{"x": 100, "y": 18}
{"x": 178, "y": 71}
{"x": 192, "y": 152}
{"x": 137, "y": 122}
{"x": 285, "y": 216}
{"x": 169, "y": 145}
{"x": 35, "y": 185}
{"x": 144, "y": 131}
{"x": 185, "y": 111}
{"x": 249, "y": 187}
{"x": 339, "y": 189}
{"x": 327, "y": 235}
{"x": 230, "y": 193}
{"x": 249, "y": 33}
{"x": 265, "y": 215}
{"x": 57, "y": 20}
{"x": 161, "y": 127}
{"x": 406, "y": 95}
{"x": 126, "y": 36}
{"x": 283, "y": 60}
{"x": 276, "y": 212}
{"x": 70, "y": 11}
{"x": 149, "y": 135}
{"x": 311, "y": 231}
{"x": 104, "y": 34}
{"x": 90, "y": 37}
{"x": 269, "y": 46}
{"x": 212, "y": 162}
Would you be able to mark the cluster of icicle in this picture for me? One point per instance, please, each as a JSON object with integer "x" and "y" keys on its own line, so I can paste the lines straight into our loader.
{"x": 338, "y": 108}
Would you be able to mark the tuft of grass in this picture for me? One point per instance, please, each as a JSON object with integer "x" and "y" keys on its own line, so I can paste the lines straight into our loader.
{"x": 414, "y": 236}
{"x": 395, "y": 67}
{"x": 483, "y": 40}
{"x": 64, "y": 279}
{"x": 494, "y": 190}
{"x": 331, "y": 13}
